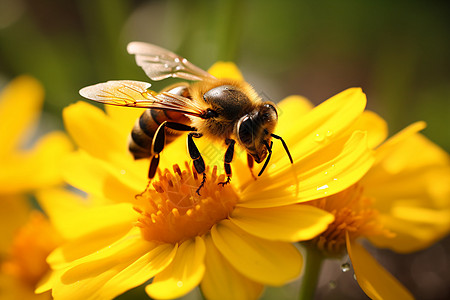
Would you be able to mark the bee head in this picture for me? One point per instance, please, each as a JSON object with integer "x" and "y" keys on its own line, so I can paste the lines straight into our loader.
{"x": 254, "y": 130}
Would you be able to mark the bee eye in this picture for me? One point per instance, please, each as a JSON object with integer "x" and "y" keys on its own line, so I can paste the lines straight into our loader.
{"x": 269, "y": 109}
{"x": 245, "y": 131}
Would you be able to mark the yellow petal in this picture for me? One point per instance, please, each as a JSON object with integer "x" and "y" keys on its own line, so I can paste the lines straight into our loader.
{"x": 321, "y": 126}
{"x": 376, "y": 127}
{"x": 223, "y": 69}
{"x": 140, "y": 271}
{"x": 290, "y": 223}
{"x": 94, "y": 229}
{"x": 183, "y": 274}
{"x": 222, "y": 281}
{"x": 58, "y": 203}
{"x": 322, "y": 173}
{"x": 102, "y": 179}
{"x": 124, "y": 117}
{"x": 263, "y": 261}
{"x": 290, "y": 112}
{"x": 414, "y": 229}
{"x": 85, "y": 278}
{"x": 95, "y": 132}
{"x": 375, "y": 281}
{"x": 39, "y": 167}
{"x": 20, "y": 104}
{"x": 392, "y": 143}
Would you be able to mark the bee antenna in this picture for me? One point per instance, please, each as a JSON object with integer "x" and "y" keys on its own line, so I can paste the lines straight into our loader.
{"x": 284, "y": 145}
{"x": 269, "y": 148}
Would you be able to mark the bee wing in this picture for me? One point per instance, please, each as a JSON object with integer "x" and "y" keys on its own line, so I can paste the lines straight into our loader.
{"x": 135, "y": 94}
{"x": 159, "y": 63}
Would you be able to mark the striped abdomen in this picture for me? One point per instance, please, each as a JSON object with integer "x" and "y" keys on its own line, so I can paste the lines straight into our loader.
{"x": 141, "y": 138}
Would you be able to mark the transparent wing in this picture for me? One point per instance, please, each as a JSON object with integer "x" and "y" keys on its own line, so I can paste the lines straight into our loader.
{"x": 136, "y": 94}
{"x": 159, "y": 63}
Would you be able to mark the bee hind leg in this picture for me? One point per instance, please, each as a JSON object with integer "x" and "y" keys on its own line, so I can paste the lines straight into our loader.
{"x": 227, "y": 160}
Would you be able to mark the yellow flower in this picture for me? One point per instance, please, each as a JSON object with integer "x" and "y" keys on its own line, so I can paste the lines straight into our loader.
{"x": 231, "y": 240}
{"x": 24, "y": 264}
{"x": 402, "y": 203}
{"x": 24, "y": 168}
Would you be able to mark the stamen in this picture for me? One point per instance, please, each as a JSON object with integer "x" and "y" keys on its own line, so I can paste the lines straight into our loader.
{"x": 353, "y": 213}
{"x": 172, "y": 211}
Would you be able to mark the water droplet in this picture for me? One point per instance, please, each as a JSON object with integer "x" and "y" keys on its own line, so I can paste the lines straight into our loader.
{"x": 332, "y": 284}
{"x": 329, "y": 133}
{"x": 179, "y": 283}
{"x": 319, "y": 138}
{"x": 166, "y": 66}
{"x": 354, "y": 277}
{"x": 325, "y": 186}
{"x": 345, "y": 267}
{"x": 123, "y": 172}
{"x": 177, "y": 60}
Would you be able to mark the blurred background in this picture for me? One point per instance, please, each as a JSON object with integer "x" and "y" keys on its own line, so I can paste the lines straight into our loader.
{"x": 397, "y": 51}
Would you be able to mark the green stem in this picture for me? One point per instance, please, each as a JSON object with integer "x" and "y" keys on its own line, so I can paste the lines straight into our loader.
{"x": 311, "y": 272}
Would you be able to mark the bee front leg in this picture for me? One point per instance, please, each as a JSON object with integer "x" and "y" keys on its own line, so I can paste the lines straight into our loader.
{"x": 228, "y": 159}
{"x": 199, "y": 163}
{"x": 250, "y": 164}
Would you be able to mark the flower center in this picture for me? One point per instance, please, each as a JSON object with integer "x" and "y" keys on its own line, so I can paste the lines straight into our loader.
{"x": 172, "y": 211}
{"x": 31, "y": 246}
{"x": 353, "y": 213}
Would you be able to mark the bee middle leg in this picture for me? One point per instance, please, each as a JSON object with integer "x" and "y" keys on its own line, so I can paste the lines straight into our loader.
{"x": 228, "y": 159}
{"x": 194, "y": 153}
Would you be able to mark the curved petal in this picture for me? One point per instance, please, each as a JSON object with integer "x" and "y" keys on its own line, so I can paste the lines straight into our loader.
{"x": 94, "y": 132}
{"x": 323, "y": 173}
{"x": 93, "y": 229}
{"x": 39, "y": 167}
{"x": 124, "y": 118}
{"x": 223, "y": 69}
{"x": 415, "y": 229}
{"x": 321, "y": 126}
{"x": 290, "y": 223}
{"x": 58, "y": 203}
{"x": 222, "y": 281}
{"x": 20, "y": 104}
{"x": 102, "y": 179}
{"x": 375, "y": 281}
{"x": 389, "y": 147}
{"x": 84, "y": 278}
{"x": 137, "y": 273}
{"x": 183, "y": 274}
{"x": 290, "y": 112}
{"x": 263, "y": 261}
{"x": 376, "y": 127}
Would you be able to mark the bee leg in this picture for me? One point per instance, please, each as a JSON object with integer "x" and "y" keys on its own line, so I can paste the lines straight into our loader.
{"x": 269, "y": 148}
{"x": 227, "y": 160}
{"x": 199, "y": 163}
{"x": 250, "y": 163}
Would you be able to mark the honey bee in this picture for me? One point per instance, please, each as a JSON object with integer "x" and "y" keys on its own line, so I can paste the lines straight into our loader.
{"x": 220, "y": 109}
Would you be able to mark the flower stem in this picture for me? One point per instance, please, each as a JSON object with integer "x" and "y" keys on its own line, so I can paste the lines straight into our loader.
{"x": 311, "y": 272}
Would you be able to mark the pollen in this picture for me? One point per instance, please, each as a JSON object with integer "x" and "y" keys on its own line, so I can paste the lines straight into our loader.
{"x": 354, "y": 213}
{"x": 30, "y": 247}
{"x": 172, "y": 211}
